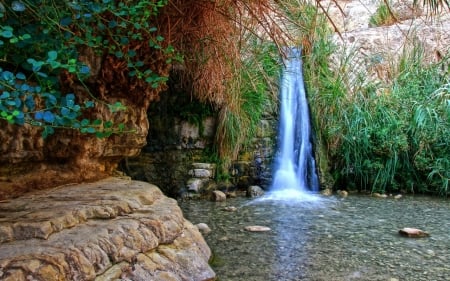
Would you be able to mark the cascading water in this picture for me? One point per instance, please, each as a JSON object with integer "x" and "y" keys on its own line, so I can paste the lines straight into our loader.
{"x": 295, "y": 170}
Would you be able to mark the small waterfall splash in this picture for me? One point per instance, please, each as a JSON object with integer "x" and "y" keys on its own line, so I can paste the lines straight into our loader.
{"x": 295, "y": 170}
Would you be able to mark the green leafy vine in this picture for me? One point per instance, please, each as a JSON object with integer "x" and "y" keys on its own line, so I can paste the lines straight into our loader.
{"x": 41, "y": 39}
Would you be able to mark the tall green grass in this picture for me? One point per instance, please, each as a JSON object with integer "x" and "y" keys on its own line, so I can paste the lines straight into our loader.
{"x": 251, "y": 93}
{"x": 382, "y": 16}
{"x": 394, "y": 138}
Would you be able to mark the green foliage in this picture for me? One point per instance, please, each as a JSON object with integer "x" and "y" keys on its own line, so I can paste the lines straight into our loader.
{"x": 383, "y": 139}
{"x": 435, "y": 5}
{"x": 382, "y": 16}
{"x": 40, "y": 39}
{"x": 250, "y": 95}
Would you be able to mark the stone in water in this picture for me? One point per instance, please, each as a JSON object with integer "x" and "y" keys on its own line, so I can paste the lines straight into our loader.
{"x": 257, "y": 228}
{"x": 413, "y": 232}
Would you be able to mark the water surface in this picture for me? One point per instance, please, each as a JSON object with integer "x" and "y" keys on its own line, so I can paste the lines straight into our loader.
{"x": 333, "y": 239}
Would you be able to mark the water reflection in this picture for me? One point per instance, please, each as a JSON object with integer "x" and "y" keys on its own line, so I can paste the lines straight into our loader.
{"x": 327, "y": 239}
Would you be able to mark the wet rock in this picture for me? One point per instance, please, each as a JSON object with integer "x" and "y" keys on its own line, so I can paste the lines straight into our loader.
{"x": 203, "y": 228}
{"x": 196, "y": 185}
{"x": 398, "y": 196}
{"x": 218, "y": 196}
{"x": 254, "y": 191}
{"x": 231, "y": 194}
{"x": 207, "y": 166}
{"x": 257, "y": 228}
{"x": 230, "y": 209}
{"x": 379, "y": 195}
{"x": 200, "y": 173}
{"x": 327, "y": 192}
{"x": 413, "y": 232}
{"x": 342, "y": 193}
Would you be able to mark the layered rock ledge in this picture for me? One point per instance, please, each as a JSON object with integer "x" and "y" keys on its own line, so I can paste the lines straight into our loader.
{"x": 114, "y": 229}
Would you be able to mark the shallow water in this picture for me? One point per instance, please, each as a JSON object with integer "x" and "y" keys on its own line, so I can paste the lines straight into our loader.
{"x": 330, "y": 239}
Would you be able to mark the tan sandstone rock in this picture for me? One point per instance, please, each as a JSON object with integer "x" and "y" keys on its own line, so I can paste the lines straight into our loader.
{"x": 89, "y": 231}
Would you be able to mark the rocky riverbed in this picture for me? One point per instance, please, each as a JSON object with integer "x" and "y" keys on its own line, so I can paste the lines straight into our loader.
{"x": 355, "y": 238}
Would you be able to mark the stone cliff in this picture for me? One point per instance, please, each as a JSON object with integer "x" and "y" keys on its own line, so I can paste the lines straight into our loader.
{"x": 114, "y": 229}
{"x": 374, "y": 51}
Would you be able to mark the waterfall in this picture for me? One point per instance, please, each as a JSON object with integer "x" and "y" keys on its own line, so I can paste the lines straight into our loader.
{"x": 295, "y": 169}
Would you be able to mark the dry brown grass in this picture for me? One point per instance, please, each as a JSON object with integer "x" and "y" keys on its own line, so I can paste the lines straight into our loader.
{"x": 210, "y": 35}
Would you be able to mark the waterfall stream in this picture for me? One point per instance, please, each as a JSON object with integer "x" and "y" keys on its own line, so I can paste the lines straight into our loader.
{"x": 295, "y": 169}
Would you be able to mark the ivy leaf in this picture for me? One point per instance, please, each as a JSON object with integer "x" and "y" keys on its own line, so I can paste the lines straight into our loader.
{"x": 29, "y": 102}
{"x": 4, "y": 95}
{"x": 84, "y": 69}
{"x": 84, "y": 122}
{"x": 65, "y": 21}
{"x": 26, "y": 36}
{"x": 131, "y": 53}
{"x": 18, "y": 6}
{"x": 48, "y": 117}
{"x": 112, "y": 24}
{"x": 52, "y": 55}
{"x": 39, "y": 115}
{"x": 89, "y": 104}
{"x": 7, "y": 33}
{"x": 47, "y": 131}
{"x": 65, "y": 111}
{"x": 124, "y": 40}
{"x": 21, "y": 76}
{"x": 108, "y": 124}
{"x": 7, "y": 76}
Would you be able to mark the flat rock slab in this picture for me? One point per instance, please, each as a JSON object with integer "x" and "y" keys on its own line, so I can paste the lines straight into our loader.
{"x": 97, "y": 230}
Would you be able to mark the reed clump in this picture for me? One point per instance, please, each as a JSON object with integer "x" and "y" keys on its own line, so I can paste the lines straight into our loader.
{"x": 382, "y": 138}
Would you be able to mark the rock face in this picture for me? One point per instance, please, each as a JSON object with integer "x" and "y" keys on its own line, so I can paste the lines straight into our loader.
{"x": 178, "y": 138}
{"x": 28, "y": 162}
{"x": 373, "y": 52}
{"x": 114, "y": 229}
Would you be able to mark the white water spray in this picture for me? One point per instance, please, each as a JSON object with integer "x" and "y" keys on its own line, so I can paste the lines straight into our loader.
{"x": 295, "y": 170}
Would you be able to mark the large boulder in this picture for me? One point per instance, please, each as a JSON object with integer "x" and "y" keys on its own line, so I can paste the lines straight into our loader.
{"x": 107, "y": 230}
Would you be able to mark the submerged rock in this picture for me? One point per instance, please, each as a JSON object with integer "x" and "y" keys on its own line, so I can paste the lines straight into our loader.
{"x": 257, "y": 228}
{"x": 327, "y": 192}
{"x": 342, "y": 193}
{"x": 254, "y": 191}
{"x": 413, "y": 232}
{"x": 218, "y": 196}
{"x": 379, "y": 195}
{"x": 230, "y": 209}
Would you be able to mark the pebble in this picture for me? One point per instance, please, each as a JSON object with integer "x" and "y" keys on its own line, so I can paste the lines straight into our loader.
{"x": 230, "y": 209}
{"x": 203, "y": 228}
{"x": 413, "y": 232}
{"x": 257, "y": 228}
